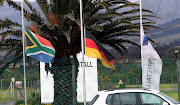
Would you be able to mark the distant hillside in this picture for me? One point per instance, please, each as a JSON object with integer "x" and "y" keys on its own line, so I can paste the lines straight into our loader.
{"x": 168, "y": 10}
{"x": 171, "y": 32}
{"x": 1, "y": 57}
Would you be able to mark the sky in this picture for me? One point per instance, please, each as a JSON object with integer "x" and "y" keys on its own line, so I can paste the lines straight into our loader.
{"x": 34, "y": 0}
{"x": 21, "y": 0}
{"x": 133, "y": 0}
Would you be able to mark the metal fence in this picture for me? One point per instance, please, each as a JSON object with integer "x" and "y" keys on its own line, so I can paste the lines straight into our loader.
{"x": 11, "y": 92}
{"x": 127, "y": 74}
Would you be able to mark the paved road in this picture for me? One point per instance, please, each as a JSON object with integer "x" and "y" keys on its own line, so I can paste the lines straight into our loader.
{"x": 169, "y": 89}
{"x": 7, "y": 103}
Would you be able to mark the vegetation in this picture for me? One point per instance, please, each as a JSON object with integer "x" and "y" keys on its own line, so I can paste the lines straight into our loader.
{"x": 59, "y": 23}
{"x": 5, "y": 99}
{"x": 131, "y": 73}
{"x": 172, "y": 94}
{"x": 34, "y": 99}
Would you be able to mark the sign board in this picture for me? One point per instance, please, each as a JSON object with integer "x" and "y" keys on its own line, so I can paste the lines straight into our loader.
{"x": 18, "y": 84}
{"x": 12, "y": 79}
{"x": 120, "y": 82}
{"x": 47, "y": 85}
{"x": 91, "y": 78}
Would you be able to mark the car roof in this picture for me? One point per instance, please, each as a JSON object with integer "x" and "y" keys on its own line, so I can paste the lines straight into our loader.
{"x": 127, "y": 90}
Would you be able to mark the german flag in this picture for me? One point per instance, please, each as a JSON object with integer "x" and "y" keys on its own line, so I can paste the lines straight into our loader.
{"x": 95, "y": 50}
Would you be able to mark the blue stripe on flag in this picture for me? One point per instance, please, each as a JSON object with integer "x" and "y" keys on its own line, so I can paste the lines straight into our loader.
{"x": 145, "y": 41}
{"x": 42, "y": 57}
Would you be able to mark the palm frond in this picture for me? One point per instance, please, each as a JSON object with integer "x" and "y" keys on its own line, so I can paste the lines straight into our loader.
{"x": 14, "y": 60}
{"x": 133, "y": 11}
{"x": 36, "y": 19}
{"x": 106, "y": 7}
{"x": 8, "y": 24}
{"x": 4, "y": 35}
{"x": 152, "y": 26}
{"x": 125, "y": 5}
{"x": 10, "y": 44}
{"x": 98, "y": 28}
{"x": 44, "y": 6}
{"x": 115, "y": 46}
{"x": 118, "y": 2}
{"x": 7, "y": 53}
{"x": 2, "y": 2}
{"x": 17, "y": 7}
{"x": 30, "y": 6}
{"x": 14, "y": 33}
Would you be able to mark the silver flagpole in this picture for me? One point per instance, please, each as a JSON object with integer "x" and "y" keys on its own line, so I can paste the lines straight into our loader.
{"x": 23, "y": 38}
{"x": 82, "y": 47}
{"x": 141, "y": 26}
{"x": 140, "y": 14}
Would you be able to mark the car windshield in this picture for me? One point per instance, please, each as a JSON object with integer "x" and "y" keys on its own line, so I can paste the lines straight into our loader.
{"x": 169, "y": 98}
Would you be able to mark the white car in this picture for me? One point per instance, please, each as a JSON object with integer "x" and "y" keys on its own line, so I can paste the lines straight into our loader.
{"x": 132, "y": 97}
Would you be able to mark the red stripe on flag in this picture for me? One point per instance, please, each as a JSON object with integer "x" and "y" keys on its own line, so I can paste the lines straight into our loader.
{"x": 44, "y": 41}
{"x": 91, "y": 44}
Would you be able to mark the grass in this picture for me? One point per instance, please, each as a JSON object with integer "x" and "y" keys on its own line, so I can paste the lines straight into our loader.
{"x": 172, "y": 94}
{"x": 167, "y": 86}
{"x": 162, "y": 86}
{"x": 5, "y": 99}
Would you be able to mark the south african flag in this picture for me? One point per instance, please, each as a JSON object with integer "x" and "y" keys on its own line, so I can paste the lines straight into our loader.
{"x": 38, "y": 47}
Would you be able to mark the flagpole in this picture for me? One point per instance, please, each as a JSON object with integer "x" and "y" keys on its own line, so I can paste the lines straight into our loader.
{"x": 141, "y": 26}
{"x": 141, "y": 31}
{"x": 140, "y": 20}
{"x": 140, "y": 12}
{"x": 82, "y": 47}
{"x": 23, "y": 38}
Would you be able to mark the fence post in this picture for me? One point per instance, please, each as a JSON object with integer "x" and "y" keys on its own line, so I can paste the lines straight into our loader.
{"x": 178, "y": 71}
{"x": 28, "y": 87}
{"x": 73, "y": 79}
{"x": 37, "y": 85}
{"x": 31, "y": 86}
{"x": 11, "y": 89}
{"x": 172, "y": 81}
{"x": 34, "y": 85}
{"x": 1, "y": 84}
{"x": 128, "y": 81}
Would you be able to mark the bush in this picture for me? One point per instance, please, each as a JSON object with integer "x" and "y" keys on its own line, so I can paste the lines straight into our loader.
{"x": 34, "y": 99}
{"x": 19, "y": 102}
{"x": 122, "y": 86}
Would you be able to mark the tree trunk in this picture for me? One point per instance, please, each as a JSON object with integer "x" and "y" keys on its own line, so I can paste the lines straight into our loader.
{"x": 62, "y": 70}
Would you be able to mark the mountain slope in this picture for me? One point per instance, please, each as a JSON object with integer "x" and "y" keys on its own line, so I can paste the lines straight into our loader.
{"x": 168, "y": 10}
{"x": 171, "y": 32}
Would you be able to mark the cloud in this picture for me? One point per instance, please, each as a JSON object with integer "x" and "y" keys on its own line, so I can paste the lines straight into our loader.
{"x": 133, "y": 0}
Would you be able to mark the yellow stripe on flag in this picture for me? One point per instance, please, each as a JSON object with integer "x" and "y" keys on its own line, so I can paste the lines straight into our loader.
{"x": 34, "y": 44}
{"x": 94, "y": 53}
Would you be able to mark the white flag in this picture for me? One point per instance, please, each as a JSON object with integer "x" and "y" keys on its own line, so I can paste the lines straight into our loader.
{"x": 47, "y": 85}
{"x": 91, "y": 78}
{"x": 151, "y": 64}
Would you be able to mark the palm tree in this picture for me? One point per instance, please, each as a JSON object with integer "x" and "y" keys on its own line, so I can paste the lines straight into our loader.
{"x": 59, "y": 23}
